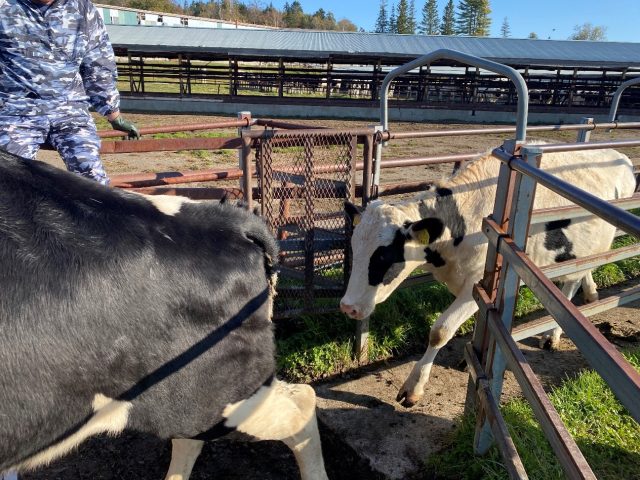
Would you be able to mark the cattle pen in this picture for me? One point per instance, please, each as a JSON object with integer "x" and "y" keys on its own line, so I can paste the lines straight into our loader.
{"x": 299, "y": 178}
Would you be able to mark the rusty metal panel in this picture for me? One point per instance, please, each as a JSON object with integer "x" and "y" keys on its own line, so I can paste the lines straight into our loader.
{"x": 139, "y": 180}
{"x": 565, "y": 448}
{"x": 486, "y": 400}
{"x": 169, "y": 144}
{"x": 603, "y": 357}
{"x": 304, "y": 179}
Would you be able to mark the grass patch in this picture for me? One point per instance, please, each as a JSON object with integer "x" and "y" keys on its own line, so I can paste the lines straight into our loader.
{"x": 606, "y": 434}
{"x": 312, "y": 347}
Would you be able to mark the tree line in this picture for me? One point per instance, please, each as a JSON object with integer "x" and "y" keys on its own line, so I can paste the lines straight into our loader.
{"x": 291, "y": 16}
{"x": 468, "y": 18}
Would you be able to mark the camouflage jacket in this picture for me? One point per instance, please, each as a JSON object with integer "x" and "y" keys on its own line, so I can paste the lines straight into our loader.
{"x": 55, "y": 55}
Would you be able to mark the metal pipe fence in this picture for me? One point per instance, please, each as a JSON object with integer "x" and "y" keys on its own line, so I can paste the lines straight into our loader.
{"x": 493, "y": 345}
{"x": 185, "y": 128}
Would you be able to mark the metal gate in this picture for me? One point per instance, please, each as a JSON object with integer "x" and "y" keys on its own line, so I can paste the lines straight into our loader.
{"x": 304, "y": 179}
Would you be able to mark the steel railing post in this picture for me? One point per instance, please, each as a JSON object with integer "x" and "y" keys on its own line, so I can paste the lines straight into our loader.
{"x": 508, "y": 284}
{"x": 584, "y": 135}
{"x": 241, "y": 153}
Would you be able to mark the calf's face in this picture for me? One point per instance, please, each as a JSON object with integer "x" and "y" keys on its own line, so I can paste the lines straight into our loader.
{"x": 386, "y": 248}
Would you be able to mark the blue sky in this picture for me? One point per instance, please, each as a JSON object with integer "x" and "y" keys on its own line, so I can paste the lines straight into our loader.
{"x": 548, "y": 18}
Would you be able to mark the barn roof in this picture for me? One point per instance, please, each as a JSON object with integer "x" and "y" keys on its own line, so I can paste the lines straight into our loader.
{"x": 321, "y": 45}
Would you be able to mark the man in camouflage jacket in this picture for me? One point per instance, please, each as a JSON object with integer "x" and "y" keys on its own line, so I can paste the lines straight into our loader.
{"x": 55, "y": 61}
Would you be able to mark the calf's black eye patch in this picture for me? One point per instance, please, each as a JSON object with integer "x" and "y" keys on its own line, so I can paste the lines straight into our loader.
{"x": 384, "y": 262}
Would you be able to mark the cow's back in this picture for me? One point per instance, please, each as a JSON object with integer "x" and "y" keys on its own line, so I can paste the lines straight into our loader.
{"x": 105, "y": 297}
{"x": 607, "y": 174}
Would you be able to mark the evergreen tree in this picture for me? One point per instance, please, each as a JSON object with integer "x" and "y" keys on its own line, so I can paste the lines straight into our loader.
{"x": 393, "y": 21}
{"x": 402, "y": 20}
{"x": 448, "y": 26}
{"x": 412, "y": 17}
{"x": 382, "y": 23}
{"x": 294, "y": 16}
{"x": 473, "y": 18}
{"x": 430, "y": 24}
{"x": 505, "y": 31}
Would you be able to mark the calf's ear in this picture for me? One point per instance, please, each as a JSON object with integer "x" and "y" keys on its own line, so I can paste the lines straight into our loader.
{"x": 424, "y": 231}
{"x": 353, "y": 212}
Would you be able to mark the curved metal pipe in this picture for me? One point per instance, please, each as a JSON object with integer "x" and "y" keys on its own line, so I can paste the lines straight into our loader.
{"x": 615, "y": 101}
{"x": 512, "y": 74}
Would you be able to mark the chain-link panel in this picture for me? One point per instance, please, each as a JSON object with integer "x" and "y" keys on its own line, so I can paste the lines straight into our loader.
{"x": 304, "y": 179}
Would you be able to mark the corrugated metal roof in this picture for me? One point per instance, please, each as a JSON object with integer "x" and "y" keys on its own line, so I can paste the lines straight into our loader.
{"x": 317, "y": 45}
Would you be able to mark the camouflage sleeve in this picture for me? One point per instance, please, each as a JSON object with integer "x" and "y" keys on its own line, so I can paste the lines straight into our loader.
{"x": 98, "y": 68}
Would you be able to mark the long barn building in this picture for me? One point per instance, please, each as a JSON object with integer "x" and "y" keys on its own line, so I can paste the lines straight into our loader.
{"x": 116, "y": 15}
{"x": 320, "y": 73}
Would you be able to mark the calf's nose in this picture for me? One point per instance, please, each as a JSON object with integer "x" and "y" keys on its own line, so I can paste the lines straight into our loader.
{"x": 350, "y": 310}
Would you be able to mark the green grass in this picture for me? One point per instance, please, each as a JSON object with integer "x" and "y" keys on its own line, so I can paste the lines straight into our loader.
{"x": 315, "y": 346}
{"x": 606, "y": 434}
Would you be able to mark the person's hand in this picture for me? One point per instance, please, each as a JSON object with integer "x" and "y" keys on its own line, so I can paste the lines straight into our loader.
{"x": 120, "y": 123}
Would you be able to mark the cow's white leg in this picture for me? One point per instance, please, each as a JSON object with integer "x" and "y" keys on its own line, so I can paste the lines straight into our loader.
{"x": 184, "y": 453}
{"x": 551, "y": 338}
{"x": 589, "y": 288}
{"x": 287, "y": 413}
{"x": 442, "y": 331}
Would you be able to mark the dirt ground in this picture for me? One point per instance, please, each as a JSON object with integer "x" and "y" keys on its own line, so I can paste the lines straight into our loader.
{"x": 135, "y": 456}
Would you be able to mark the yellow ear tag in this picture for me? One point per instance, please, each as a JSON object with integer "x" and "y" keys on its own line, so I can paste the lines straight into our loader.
{"x": 356, "y": 220}
{"x": 423, "y": 236}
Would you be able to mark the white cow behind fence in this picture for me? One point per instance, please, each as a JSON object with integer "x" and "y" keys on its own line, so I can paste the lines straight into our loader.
{"x": 440, "y": 230}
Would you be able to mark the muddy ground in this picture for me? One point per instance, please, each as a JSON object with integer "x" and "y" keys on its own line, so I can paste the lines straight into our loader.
{"x": 135, "y": 456}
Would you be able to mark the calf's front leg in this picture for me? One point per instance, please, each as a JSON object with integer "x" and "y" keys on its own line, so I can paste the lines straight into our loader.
{"x": 442, "y": 331}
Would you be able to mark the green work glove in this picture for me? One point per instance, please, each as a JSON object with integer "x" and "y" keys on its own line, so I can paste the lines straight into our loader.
{"x": 125, "y": 126}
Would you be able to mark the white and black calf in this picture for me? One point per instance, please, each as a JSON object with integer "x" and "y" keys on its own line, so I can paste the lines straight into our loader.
{"x": 125, "y": 311}
{"x": 440, "y": 230}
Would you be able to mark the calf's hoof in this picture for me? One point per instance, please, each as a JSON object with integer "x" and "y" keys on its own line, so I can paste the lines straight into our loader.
{"x": 547, "y": 342}
{"x": 407, "y": 400}
{"x": 590, "y": 298}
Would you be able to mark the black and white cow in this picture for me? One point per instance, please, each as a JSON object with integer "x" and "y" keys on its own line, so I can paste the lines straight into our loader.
{"x": 125, "y": 311}
{"x": 440, "y": 229}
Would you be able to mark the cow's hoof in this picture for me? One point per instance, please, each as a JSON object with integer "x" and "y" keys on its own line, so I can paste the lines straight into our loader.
{"x": 407, "y": 401}
{"x": 590, "y": 298}
{"x": 547, "y": 343}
